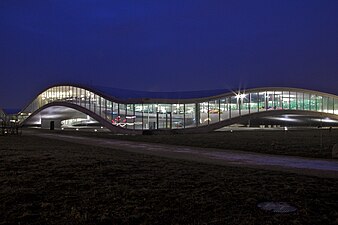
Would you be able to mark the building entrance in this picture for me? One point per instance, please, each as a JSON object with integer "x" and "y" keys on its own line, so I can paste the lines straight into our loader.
{"x": 163, "y": 120}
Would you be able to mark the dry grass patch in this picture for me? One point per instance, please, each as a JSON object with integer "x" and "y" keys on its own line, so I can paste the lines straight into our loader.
{"x": 44, "y": 181}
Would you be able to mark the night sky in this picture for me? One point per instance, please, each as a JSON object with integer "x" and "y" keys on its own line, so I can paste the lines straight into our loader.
{"x": 166, "y": 45}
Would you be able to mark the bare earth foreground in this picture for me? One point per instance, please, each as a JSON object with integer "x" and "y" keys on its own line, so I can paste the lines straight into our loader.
{"x": 49, "y": 181}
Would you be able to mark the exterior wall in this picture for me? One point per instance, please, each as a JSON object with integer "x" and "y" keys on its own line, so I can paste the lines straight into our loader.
{"x": 46, "y": 124}
{"x": 161, "y": 114}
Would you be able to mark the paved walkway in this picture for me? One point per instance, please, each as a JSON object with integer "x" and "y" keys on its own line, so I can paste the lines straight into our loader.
{"x": 300, "y": 165}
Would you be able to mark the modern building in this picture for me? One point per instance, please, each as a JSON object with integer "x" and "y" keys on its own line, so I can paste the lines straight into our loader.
{"x": 135, "y": 111}
{"x": 8, "y": 124}
{"x": 2, "y": 115}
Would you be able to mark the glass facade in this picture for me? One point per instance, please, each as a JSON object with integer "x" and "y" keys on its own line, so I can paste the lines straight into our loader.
{"x": 141, "y": 116}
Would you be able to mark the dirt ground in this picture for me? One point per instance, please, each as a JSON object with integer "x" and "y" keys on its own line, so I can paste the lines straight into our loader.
{"x": 44, "y": 181}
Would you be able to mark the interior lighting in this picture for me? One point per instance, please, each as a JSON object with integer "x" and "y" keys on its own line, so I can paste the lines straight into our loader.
{"x": 240, "y": 96}
{"x": 283, "y": 119}
{"x": 77, "y": 128}
{"x": 130, "y": 117}
{"x": 326, "y": 120}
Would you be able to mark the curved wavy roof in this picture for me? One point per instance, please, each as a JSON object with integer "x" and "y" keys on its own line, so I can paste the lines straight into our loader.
{"x": 124, "y": 94}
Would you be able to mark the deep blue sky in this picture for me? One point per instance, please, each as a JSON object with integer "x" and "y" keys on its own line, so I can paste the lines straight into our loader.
{"x": 166, "y": 45}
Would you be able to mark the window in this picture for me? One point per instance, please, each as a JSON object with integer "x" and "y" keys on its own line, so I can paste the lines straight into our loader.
{"x": 293, "y": 100}
{"x": 300, "y": 101}
{"x": 204, "y": 114}
{"x": 190, "y": 115}
{"x": 253, "y": 102}
{"x": 214, "y": 111}
{"x": 270, "y": 99}
{"x": 306, "y": 101}
{"x": 224, "y": 110}
{"x": 286, "y": 100}
{"x": 262, "y": 101}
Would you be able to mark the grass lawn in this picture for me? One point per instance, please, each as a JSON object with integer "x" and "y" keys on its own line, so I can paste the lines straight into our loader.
{"x": 314, "y": 143}
{"x": 44, "y": 181}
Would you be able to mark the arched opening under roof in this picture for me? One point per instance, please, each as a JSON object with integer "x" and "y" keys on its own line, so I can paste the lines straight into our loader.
{"x": 67, "y": 115}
